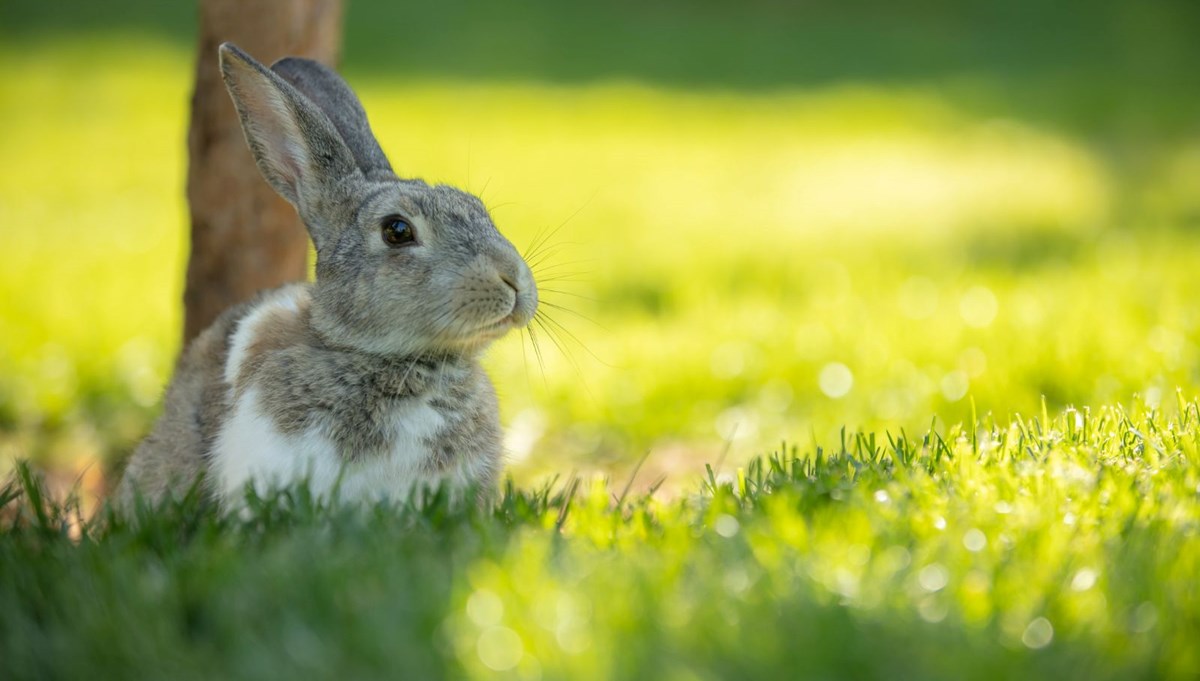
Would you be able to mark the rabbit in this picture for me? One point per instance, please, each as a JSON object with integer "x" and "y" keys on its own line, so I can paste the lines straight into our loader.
{"x": 365, "y": 384}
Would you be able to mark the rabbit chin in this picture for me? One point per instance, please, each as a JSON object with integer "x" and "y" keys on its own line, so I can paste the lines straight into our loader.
{"x": 460, "y": 342}
{"x": 476, "y": 340}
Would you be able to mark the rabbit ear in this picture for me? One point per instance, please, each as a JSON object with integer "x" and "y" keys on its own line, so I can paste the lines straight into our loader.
{"x": 333, "y": 96}
{"x": 297, "y": 148}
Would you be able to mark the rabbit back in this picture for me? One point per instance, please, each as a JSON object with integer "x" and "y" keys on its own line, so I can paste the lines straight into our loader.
{"x": 173, "y": 457}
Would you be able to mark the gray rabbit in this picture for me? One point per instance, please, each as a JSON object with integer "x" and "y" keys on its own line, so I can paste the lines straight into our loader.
{"x": 366, "y": 383}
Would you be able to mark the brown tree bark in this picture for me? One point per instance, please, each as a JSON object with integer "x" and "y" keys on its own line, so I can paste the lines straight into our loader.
{"x": 245, "y": 238}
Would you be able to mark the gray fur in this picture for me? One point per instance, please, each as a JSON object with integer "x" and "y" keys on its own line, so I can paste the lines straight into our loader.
{"x": 336, "y": 100}
{"x": 172, "y": 457}
{"x": 381, "y": 325}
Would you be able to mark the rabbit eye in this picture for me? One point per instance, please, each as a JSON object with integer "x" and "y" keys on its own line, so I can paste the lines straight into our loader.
{"x": 397, "y": 231}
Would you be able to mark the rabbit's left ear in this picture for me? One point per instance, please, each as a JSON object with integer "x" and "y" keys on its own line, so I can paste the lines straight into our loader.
{"x": 297, "y": 148}
{"x": 333, "y": 96}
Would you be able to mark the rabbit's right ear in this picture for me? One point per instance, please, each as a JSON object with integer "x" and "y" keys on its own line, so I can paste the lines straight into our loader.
{"x": 297, "y": 147}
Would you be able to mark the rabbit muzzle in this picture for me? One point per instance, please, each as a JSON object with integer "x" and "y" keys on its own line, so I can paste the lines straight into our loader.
{"x": 525, "y": 296}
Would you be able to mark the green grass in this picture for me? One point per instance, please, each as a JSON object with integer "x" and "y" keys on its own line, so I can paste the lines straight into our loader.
{"x": 1065, "y": 548}
{"x": 779, "y": 222}
{"x": 728, "y": 250}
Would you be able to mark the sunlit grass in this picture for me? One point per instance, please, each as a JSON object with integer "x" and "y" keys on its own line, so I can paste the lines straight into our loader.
{"x": 1033, "y": 548}
{"x": 739, "y": 269}
{"x": 833, "y": 267}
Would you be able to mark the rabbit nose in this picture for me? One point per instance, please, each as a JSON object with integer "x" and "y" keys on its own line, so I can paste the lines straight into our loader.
{"x": 511, "y": 281}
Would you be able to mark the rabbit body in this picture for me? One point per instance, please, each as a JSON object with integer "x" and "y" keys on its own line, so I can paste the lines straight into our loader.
{"x": 365, "y": 384}
{"x": 371, "y": 427}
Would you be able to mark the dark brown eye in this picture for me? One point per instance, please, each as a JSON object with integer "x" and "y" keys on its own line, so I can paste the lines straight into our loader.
{"x": 397, "y": 231}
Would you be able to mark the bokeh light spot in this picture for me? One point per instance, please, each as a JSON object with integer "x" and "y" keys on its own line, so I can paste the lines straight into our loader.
{"x": 978, "y": 307}
{"x": 485, "y": 608}
{"x": 836, "y": 380}
{"x": 1038, "y": 634}
{"x": 500, "y": 648}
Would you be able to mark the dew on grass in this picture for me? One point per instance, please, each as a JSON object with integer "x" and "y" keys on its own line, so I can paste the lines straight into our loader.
{"x": 1078, "y": 417}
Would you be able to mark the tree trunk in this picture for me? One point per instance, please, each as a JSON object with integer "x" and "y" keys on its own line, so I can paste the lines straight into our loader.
{"x": 245, "y": 238}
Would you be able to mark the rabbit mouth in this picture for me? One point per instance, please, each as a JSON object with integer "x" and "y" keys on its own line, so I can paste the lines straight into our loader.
{"x": 481, "y": 334}
{"x": 497, "y": 328}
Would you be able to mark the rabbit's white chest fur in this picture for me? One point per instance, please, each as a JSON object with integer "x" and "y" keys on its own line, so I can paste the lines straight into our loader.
{"x": 251, "y": 449}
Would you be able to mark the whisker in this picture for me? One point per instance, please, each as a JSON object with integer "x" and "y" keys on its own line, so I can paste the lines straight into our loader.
{"x": 539, "y": 238}
{"x": 563, "y": 223}
{"x": 550, "y": 268}
{"x": 538, "y": 257}
{"x": 537, "y": 351}
{"x": 545, "y": 248}
{"x": 574, "y": 312}
{"x": 573, "y": 337}
{"x": 541, "y": 321}
{"x": 558, "y": 344}
{"x": 566, "y": 277}
{"x": 566, "y": 293}
{"x": 524, "y": 357}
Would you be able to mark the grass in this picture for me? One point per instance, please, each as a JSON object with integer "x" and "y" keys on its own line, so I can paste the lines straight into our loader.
{"x": 1063, "y": 548}
{"x": 718, "y": 248}
{"x": 771, "y": 222}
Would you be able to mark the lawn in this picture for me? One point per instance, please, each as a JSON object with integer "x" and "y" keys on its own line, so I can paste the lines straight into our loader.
{"x": 1025, "y": 549}
{"x": 819, "y": 225}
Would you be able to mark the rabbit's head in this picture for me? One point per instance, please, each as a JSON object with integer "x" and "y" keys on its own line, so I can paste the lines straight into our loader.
{"x": 403, "y": 267}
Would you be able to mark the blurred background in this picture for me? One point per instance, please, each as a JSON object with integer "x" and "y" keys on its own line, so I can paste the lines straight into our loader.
{"x": 770, "y": 220}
